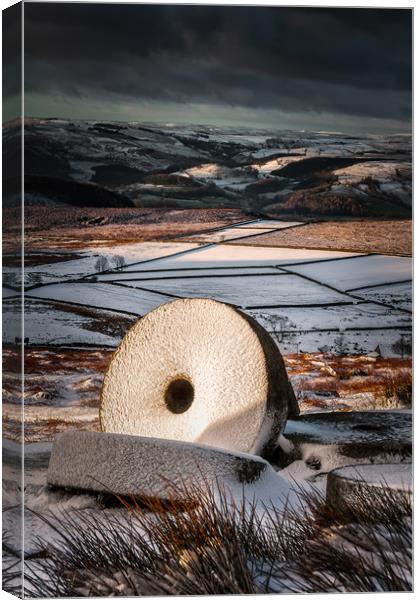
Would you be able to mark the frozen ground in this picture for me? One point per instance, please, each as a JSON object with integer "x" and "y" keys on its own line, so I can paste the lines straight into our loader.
{"x": 398, "y": 295}
{"x": 143, "y": 274}
{"x": 269, "y": 224}
{"x": 214, "y": 255}
{"x": 73, "y": 269}
{"x": 86, "y": 313}
{"x": 340, "y": 318}
{"x": 359, "y": 272}
{"x": 9, "y": 293}
{"x": 231, "y": 233}
{"x": 103, "y": 295}
{"x": 308, "y": 299}
{"x": 49, "y": 323}
{"x": 247, "y": 291}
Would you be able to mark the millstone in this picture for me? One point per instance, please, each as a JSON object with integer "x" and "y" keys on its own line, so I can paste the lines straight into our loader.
{"x": 355, "y": 437}
{"x": 345, "y": 485}
{"x": 127, "y": 465}
{"x": 200, "y": 371}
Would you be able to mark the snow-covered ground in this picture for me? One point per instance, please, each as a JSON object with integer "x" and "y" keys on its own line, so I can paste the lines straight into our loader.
{"x": 247, "y": 291}
{"x": 142, "y": 273}
{"x": 8, "y": 293}
{"x": 269, "y": 224}
{"x": 98, "y": 313}
{"x": 241, "y": 256}
{"x": 87, "y": 265}
{"x": 381, "y": 171}
{"x": 398, "y": 295}
{"x": 359, "y": 272}
{"x": 223, "y": 164}
{"x": 47, "y": 324}
{"x": 103, "y": 295}
{"x": 340, "y": 318}
{"x": 229, "y": 233}
{"x": 285, "y": 278}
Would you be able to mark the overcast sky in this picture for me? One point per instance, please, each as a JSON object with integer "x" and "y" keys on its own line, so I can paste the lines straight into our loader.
{"x": 329, "y": 69}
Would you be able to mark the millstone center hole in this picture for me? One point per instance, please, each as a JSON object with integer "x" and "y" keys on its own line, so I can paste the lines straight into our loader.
{"x": 179, "y": 395}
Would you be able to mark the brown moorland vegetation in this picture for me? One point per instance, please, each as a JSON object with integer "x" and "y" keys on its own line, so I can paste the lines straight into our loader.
{"x": 73, "y": 227}
{"x": 389, "y": 237}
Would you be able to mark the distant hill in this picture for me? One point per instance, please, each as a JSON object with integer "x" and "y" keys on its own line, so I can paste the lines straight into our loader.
{"x": 264, "y": 172}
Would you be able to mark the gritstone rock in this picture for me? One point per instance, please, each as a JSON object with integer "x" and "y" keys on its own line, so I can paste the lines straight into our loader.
{"x": 345, "y": 485}
{"x": 348, "y": 438}
{"x": 127, "y": 465}
{"x": 201, "y": 371}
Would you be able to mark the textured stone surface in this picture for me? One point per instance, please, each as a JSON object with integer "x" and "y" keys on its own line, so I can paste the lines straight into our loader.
{"x": 231, "y": 388}
{"x": 154, "y": 468}
{"x": 379, "y": 426}
{"x": 345, "y": 483}
{"x": 325, "y": 441}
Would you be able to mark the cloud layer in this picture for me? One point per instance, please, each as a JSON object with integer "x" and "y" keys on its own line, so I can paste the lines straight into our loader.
{"x": 349, "y": 62}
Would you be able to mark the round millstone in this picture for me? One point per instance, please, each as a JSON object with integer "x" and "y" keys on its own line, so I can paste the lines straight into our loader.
{"x": 143, "y": 467}
{"x": 201, "y": 371}
{"x": 346, "y": 485}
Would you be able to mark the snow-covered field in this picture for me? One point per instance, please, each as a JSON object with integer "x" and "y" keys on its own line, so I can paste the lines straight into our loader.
{"x": 359, "y": 272}
{"x": 249, "y": 229}
{"x": 301, "y": 296}
{"x": 398, "y": 295}
{"x": 341, "y": 318}
{"x": 229, "y": 233}
{"x": 143, "y": 274}
{"x": 87, "y": 264}
{"x": 214, "y": 256}
{"x": 246, "y": 291}
{"x": 269, "y": 224}
{"x": 45, "y": 323}
{"x": 103, "y": 295}
{"x": 309, "y": 299}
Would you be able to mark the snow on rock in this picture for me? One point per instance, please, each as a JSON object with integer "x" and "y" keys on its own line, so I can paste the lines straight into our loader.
{"x": 200, "y": 371}
{"x": 345, "y": 484}
{"x": 154, "y": 468}
{"x": 324, "y": 441}
{"x": 387, "y": 429}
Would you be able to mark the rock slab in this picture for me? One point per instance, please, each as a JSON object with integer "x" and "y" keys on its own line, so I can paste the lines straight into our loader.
{"x": 143, "y": 467}
{"x": 346, "y": 484}
{"x": 355, "y": 435}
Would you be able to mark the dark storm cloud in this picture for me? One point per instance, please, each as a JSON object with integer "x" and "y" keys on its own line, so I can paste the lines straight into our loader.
{"x": 349, "y": 61}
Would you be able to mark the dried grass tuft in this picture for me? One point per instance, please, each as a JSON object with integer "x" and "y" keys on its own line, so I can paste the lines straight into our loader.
{"x": 222, "y": 548}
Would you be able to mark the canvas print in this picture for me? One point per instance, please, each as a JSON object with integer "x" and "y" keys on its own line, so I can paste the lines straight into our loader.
{"x": 207, "y": 299}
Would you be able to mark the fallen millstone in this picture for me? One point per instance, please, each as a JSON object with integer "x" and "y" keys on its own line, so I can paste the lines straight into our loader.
{"x": 148, "y": 468}
{"x": 347, "y": 485}
{"x": 331, "y": 439}
{"x": 201, "y": 371}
